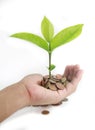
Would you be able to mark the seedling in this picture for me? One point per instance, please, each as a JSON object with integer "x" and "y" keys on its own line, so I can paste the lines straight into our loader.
{"x": 49, "y": 42}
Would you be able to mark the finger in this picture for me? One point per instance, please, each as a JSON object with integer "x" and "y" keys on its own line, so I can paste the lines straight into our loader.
{"x": 66, "y": 91}
{"x": 75, "y": 69}
{"x": 66, "y": 72}
{"x": 70, "y": 74}
{"x": 62, "y": 94}
{"x": 77, "y": 77}
{"x": 72, "y": 71}
{"x": 71, "y": 87}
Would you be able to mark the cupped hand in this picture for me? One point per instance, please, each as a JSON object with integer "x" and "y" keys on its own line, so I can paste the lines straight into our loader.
{"x": 42, "y": 96}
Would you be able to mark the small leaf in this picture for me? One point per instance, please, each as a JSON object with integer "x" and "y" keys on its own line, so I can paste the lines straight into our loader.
{"x": 47, "y": 29}
{"x": 32, "y": 38}
{"x": 51, "y": 67}
{"x": 66, "y": 35}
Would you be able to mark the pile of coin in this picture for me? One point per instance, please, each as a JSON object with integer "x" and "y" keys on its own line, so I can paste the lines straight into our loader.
{"x": 55, "y": 82}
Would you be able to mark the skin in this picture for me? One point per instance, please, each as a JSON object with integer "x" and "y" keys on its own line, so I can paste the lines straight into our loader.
{"x": 29, "y": 91}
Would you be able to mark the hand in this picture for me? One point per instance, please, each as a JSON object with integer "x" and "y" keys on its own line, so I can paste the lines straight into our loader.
{"x": 42, "y": 96}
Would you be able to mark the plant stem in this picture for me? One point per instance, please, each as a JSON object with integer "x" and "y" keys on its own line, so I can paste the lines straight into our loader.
{"x": 49, "y": 64}
{"x": 49, "y": 60}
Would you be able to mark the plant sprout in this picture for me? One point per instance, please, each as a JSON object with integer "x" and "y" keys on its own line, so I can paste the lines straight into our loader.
{"x": 50, "y": 42}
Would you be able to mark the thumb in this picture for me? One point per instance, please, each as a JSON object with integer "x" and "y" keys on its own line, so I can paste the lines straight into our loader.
{"x": 37, "y": 78}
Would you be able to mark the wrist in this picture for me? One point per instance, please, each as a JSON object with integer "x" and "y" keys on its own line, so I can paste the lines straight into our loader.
{"x": 25, "y": 94}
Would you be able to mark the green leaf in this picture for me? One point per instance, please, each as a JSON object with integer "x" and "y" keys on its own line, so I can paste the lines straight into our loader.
{"x": 32, "y": 38}
{"x": 66, "y": 35}
{"x": 47, "y": 29}
{"x": 51, "y": 67}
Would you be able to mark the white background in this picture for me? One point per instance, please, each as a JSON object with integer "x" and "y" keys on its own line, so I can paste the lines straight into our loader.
{"x": 19, "y": 58}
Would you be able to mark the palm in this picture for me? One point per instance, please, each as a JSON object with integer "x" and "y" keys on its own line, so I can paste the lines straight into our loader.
{"x": 40, "y": 95}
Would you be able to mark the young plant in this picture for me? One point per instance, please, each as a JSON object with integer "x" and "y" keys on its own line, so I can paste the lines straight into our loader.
{"x": 50, "y": 42}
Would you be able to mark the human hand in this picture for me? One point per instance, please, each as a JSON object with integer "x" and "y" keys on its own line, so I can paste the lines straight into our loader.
{"x": 42, "y": 96}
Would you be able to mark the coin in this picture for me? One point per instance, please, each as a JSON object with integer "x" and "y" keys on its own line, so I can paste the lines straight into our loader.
{"x": 46, "y": 80}
{"x": 55, "y": 79}
{"x": 47, "y": 84}
{"x": 63, "y": 79}
{"x": 55, "y": 82}
{"x": 66, "y": 82}
{"x": 58, "y": 76}
{"x": 52, "y": 81}
{"x": 52, "y": 87}
{"x": 60, "y": 85}
{"x": 45, "y": 112}
{"x": 65, "y": 100}
{"x": 42, "y": 82}
{"x": 57, "y": 104}
{"x": 44, "y": 105}
{"x": 46, "y": 76}
{"x": 36, "y": 105}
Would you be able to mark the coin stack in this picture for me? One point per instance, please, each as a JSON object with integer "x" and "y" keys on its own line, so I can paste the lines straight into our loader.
{"x": 55, "y": 82}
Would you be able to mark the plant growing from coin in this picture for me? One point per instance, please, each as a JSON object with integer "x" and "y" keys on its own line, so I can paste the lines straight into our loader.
{"x": 49, "y": 43}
